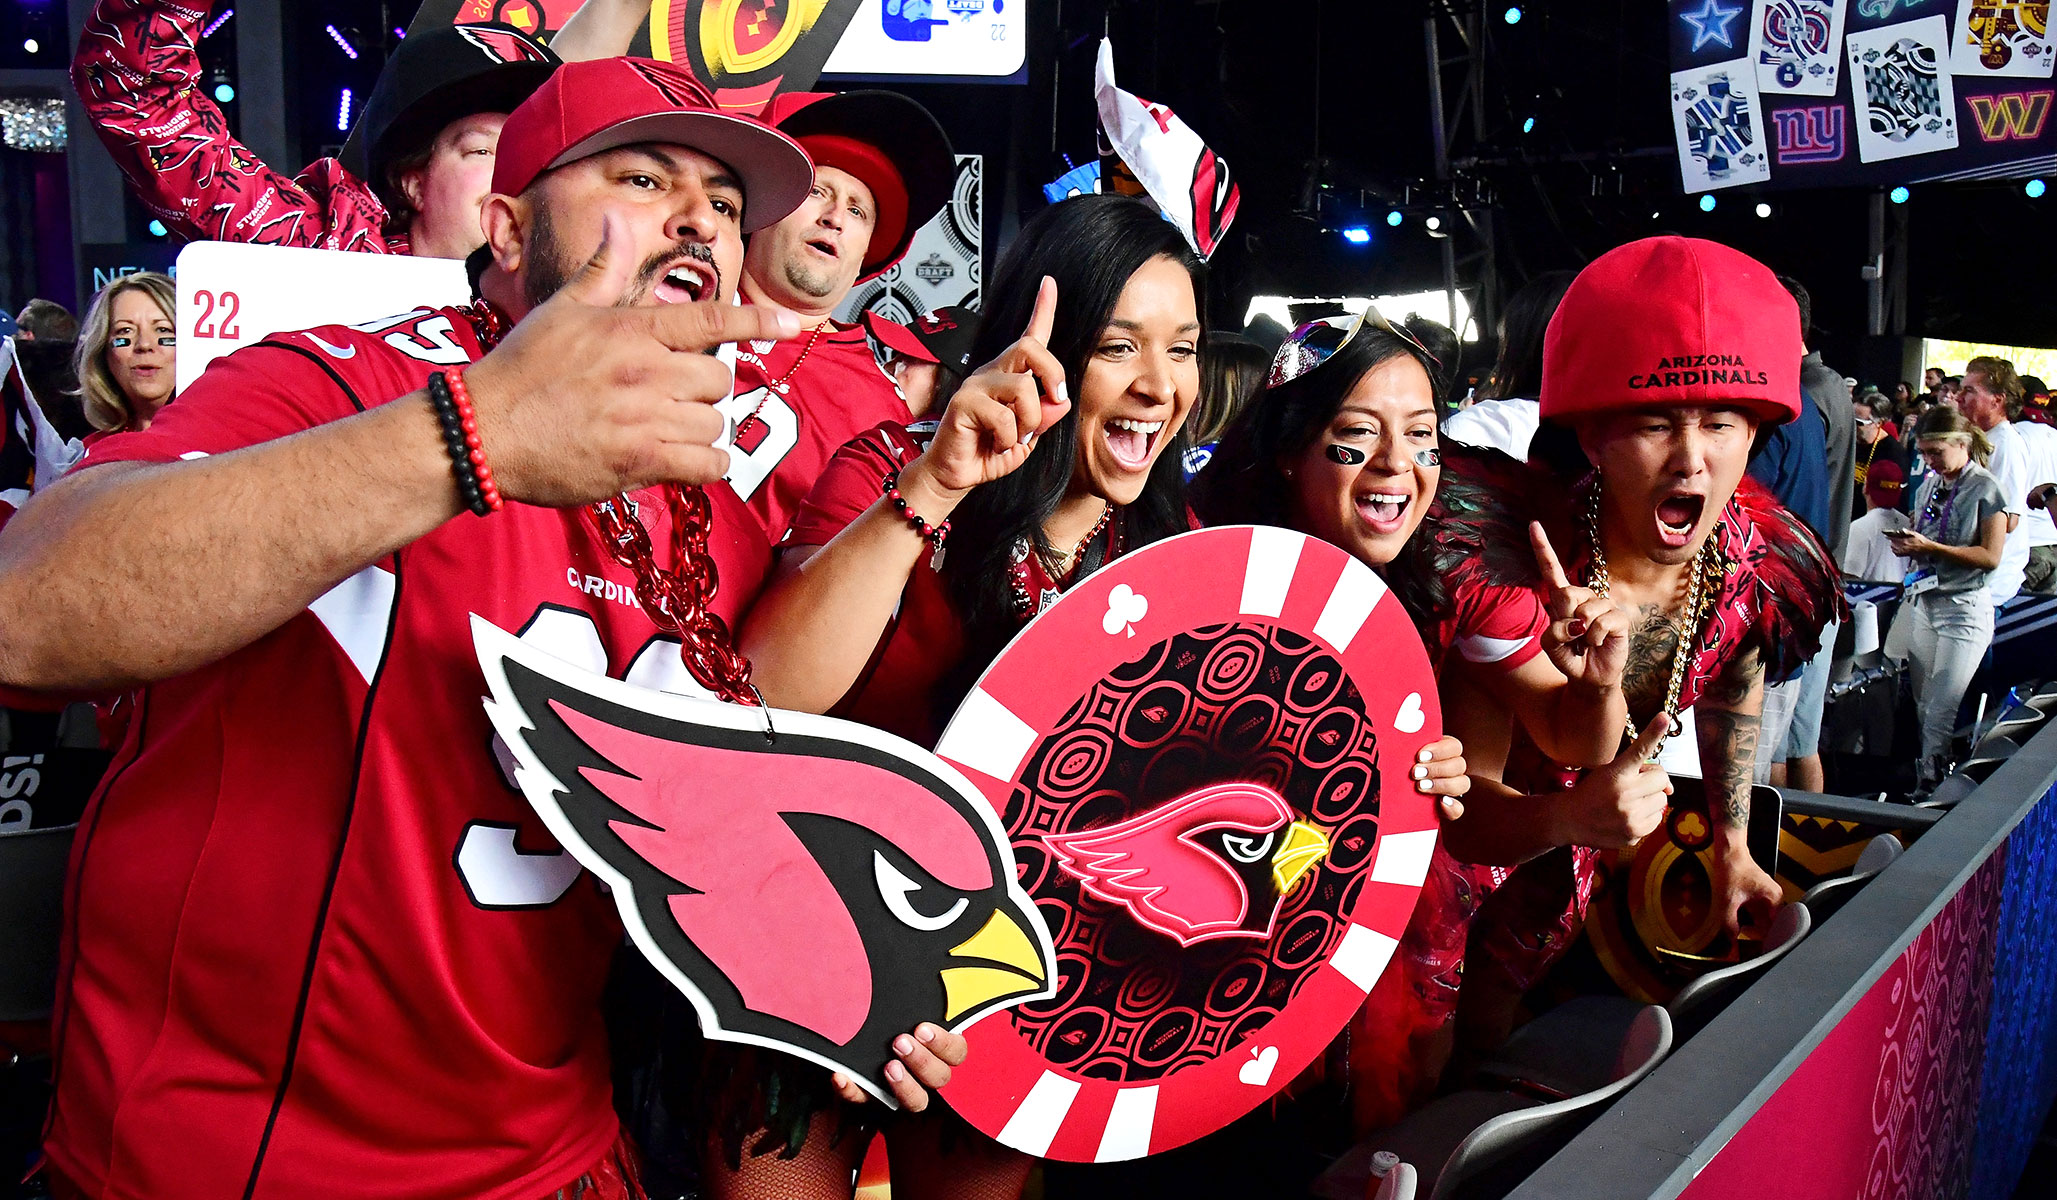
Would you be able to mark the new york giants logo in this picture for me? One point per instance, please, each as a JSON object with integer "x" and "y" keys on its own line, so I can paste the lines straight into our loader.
{"x": 2011, "y": 116}
{"x": 1809, "y": 135}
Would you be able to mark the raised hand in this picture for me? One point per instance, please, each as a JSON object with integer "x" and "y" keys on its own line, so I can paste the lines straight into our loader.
{"x": 990, "y": 427}
{"x": 1621, "y": 803}
{"x": 1588, "y": 637}
{"x": 585, "y": 399}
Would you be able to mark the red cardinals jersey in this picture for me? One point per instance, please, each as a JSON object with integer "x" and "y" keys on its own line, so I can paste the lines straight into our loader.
{"x": 802, "y": 417}
{"x": 317, "y": 945}
{"x": 138, "y": 73}
{"x": 925, "y": 640}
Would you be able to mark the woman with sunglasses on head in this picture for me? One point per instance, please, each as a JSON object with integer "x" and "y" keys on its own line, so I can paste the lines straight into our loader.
{"x": 1343, "y": 446}
{"x": 126, "y": 351}
{"x": 1958, "y": 534}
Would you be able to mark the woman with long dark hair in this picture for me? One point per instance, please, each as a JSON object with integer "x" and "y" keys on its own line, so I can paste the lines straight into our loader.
{"x": 922, "y": 550}
{"x": 1343, "y": 446}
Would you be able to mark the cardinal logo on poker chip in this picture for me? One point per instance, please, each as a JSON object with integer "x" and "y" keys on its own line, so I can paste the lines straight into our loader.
{"x": 1201, "y": 756}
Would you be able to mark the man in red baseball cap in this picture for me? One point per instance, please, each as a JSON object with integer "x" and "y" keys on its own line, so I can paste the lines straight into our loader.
{"x": 316, "y": 943}
{"x": 1662, "y": 363}
{"x": 883, "y": 167}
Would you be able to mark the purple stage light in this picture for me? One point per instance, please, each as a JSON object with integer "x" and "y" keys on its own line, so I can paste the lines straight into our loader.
{"x": 343, "y": 113}
{"x": 215, "y": 25}
{"x": 341, "y": 42}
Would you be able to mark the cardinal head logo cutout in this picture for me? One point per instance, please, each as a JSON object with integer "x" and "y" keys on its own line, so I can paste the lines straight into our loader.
{"x": 819, "y": 892}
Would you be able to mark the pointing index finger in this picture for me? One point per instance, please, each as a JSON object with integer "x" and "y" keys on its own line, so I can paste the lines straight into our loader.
{"x": 701, "y": 326}
{"x": 1546, "y": 557}
{"x": 1044, "y": 318}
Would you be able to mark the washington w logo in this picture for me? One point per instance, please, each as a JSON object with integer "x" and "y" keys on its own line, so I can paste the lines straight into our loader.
{"x": 2011, "y": 116}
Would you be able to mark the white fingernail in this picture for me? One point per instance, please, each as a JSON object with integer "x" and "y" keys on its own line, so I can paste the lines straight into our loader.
{"x": 1425, "y": 785}
{"x": 1424, "y": 756}
{"x": 1063, "y": 393}
{"x": 1421, "y": 772}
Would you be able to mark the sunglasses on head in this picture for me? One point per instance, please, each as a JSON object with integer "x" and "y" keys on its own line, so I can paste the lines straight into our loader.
{"x": 1315, "y": 342}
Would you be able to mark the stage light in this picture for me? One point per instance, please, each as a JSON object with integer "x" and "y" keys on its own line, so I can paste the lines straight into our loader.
{"x": 1898, "y": 195}
{"x": 157, "y": 229}
{"x": 1528, "y": 125}
{"x": 1357, "y": 235}
{"x": 343, "y": 113}
{"x": 1513, "y": 15}
{"x": 1707, "y": 203}
{"x": 1395, "y": 218}
{"x": 1654, "y": 216}
{"x": 341, "y": 42}
{"x": 1763, "y": 209}
{"x": 2035, "y": 189}
{"x": 32, "y": 46}
{"x": 1433, "y": 223}
{"x": 216, "y": 24}
{"x": 399, "y": 32}
{"x": 224, "y": 93}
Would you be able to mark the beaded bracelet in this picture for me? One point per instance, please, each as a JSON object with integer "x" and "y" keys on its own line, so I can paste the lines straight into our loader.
{"x": 460, "y": 428}
{"x": 933, "y": 533}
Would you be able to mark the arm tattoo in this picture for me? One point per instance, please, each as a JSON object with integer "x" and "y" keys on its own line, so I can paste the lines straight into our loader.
{"x": 1728, "y": 737}
{"x": 1728, "y": 758}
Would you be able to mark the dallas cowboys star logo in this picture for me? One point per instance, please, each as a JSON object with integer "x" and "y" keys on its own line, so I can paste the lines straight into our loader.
{"x": 1712, "y": 24}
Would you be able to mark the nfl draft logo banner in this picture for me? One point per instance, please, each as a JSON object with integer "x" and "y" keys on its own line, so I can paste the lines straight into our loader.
{"x": 982, "y": 38}
{"x": 818, "y": 891}
{"x": 1201, "y": 755}
{"x": 1838, "y": 93}
{"x": 942, "y": 267}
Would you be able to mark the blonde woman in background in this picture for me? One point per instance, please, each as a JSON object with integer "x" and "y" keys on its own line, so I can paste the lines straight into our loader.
{"x": 1959, "y": 530}
{"x": 125, "y": 354}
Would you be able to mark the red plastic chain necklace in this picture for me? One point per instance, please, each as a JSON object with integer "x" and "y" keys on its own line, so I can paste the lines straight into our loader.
{"x": 680, "y": 600}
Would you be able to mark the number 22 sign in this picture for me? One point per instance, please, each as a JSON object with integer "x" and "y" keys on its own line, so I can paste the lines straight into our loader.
{"x": 232, "y": 295}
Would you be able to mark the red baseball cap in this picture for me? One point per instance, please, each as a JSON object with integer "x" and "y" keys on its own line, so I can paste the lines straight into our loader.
{"x": 888, "y": 141}
{"x": 1670, "y": 322}
{"x": 943, "y": 336}
{"x": 586, "y": 108}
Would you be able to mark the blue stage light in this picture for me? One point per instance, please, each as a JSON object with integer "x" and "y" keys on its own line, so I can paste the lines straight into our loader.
{"x": 343, "y": 113}
{"x": 157, "y": 229}
{"x": 1528, "y": 125}
{"x": 2035, "y": 189}
{"x": 224, "y": 93}
{"x": 1513, "y": 15}
{"x": 1898, "y": 195}
{"x": 1707, "y": 203}
{"x": 1357, "y": 235}
{"x": 1395, "y": 217}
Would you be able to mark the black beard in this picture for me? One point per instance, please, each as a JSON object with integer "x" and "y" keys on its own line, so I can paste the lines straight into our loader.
{"x": 551, "y": 268}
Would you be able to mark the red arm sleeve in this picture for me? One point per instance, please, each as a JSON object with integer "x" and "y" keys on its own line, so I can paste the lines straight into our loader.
{"x": 138, "y": 74}
{"x": 851, "y": 483}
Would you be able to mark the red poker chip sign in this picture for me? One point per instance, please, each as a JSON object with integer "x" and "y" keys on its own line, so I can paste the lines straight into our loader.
{"x": 1201, "y": 755}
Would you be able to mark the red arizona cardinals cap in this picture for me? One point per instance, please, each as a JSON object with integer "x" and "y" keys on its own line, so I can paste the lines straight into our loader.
{"x": 943, "y": 336}
{"x": 590, "y": 107}
{"x": 888, "y": 141}
{"x": 1673, "y": 322}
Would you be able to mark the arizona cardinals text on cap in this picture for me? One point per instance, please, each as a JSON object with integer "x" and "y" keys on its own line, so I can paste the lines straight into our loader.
{"x": 438, "y": 76}
{"x": 590, "y": 107}
{"x": 1201, "y": 757}
{"x": 1673, "y": 322}
{"x": 888, "y": 141}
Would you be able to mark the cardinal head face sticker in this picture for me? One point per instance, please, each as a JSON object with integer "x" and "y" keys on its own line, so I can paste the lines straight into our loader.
{"x": 1201, "y": 754}
{"x": 820, "y": 892}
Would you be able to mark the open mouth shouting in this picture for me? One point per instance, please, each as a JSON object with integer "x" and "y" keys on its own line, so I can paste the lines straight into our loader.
{"x": 1131, "y": 442}
{"x": 1384, "y": 509}
{"x": 824, "y": 247}
{"x": 685, "y": 281}
{"x": 1677, "y": 516}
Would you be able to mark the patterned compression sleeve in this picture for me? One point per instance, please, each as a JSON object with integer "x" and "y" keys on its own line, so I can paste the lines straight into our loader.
{"x": 138, "y": 73}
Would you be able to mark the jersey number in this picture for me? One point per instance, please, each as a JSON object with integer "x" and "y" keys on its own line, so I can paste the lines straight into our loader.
{"x": 757, "y": 445}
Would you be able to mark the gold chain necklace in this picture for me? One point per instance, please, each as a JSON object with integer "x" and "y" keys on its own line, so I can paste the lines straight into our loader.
{"x": 1701, "y": 589}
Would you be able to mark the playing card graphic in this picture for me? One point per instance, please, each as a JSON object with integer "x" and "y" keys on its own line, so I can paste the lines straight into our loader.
{"x": 1796, "y": 45}
{"x": 1720, "y": 126}
{"x": 1905, "y": 103}
{"x": 2003, "y": 37}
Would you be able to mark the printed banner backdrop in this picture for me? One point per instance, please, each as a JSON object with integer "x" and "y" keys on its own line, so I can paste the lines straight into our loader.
{"x": 750, "y": 50}
{"x": 231, "y": 294}
{"x": 1836, "y": 93}
{"x": 942, "y": 267}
